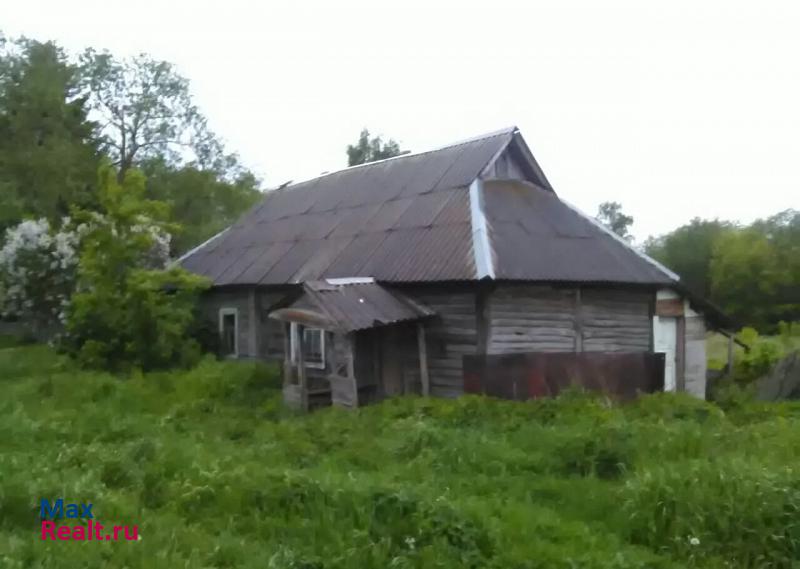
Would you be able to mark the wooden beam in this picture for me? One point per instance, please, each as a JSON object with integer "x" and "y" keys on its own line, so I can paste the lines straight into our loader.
{"x": 253, "y": 322}
{"x": 301, "y": 366}
{"x": 482, "y": 319}
{"x": 680, "y": 354}
{"x": 669, "y": 307}
{"x": 351, "y": 366}
{"x": 287, "y": 354}
{"x": 423, "y": 360}
{"x": 651, "y": 314}
{"x": 377, "y": 365}
{"x": 578, "y": 321}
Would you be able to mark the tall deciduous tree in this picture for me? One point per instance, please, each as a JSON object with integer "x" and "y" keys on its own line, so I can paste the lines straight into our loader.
{"x": 48, "y": 158}
{"x": 610, "y": 214}
{"x": 147, "y": 112}
{"x": 755, "y": 271}
{"x": 203, "y": 202}
{"x": 371, "y": 149}
{"x": 688, "y": 251}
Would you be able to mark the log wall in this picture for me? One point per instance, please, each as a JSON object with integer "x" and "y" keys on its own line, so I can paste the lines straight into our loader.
{"x": 448, "y": 337}
{"x": 616, "y": 320}
{"x": 530, "y": 319}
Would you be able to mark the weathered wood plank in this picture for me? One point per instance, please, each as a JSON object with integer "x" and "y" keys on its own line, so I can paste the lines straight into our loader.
{"x": 423, "y": 359}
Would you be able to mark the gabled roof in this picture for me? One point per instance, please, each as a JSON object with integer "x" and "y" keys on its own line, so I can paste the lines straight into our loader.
{"x": 536, "y": 236}
{"x": 350, "y": 307}
{"x": 421, "y": 218}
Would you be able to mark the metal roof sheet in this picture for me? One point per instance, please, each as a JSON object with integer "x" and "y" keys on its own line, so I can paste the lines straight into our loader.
{"x": 403, "y": 219}
{"x": 535, "y": 236}
{"x": 351, "y": 307}
{"x": 410, "y": 219}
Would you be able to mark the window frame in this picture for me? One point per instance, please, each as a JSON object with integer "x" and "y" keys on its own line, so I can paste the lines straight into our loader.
{"x": 228, "y": 311}
{"x": 293, "y": 346}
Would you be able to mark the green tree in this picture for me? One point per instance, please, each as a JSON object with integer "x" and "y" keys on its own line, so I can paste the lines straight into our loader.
{"x": 688, "y": 251}
{"x": 48, "y": 158}
{"x": 743, "y": 276}
{"x": 147, "y": 112}
{"x": 371, "y": 149}
{"x": 124, "y": 314}
{"x": 610, "y": 214}
{"x": 202, "y": 201}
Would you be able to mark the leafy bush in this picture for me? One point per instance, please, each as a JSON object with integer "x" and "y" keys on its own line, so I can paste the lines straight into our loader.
{"x": 758, "y": 360}
{"x": 124, "y": 315}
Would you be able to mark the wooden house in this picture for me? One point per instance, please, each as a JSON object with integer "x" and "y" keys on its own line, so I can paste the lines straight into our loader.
{"x": 377, "y": 279}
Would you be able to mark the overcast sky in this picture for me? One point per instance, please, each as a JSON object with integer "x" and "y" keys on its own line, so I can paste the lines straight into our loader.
{"x": 675, "y": 109}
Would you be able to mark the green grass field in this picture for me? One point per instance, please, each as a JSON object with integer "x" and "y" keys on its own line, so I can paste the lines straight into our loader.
{"x": 216, "y": 474}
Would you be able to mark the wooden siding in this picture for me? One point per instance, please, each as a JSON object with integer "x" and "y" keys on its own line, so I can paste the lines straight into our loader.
{"x": 539, "y": 318}
{"x": 449, "y": 336}
{"x": 616, "y": 320}
{"x": 531, "y": 319}
{"x": 506, "y": 167}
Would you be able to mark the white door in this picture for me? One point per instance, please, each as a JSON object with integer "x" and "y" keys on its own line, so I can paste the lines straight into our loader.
{"x": 665, "y": 333}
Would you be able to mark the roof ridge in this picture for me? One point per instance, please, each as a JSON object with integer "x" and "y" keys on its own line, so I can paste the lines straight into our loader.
{"x": 508, "y": 130}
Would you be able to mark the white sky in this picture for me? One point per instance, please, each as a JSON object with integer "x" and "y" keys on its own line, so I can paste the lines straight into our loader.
{"x": 675, "y": 109}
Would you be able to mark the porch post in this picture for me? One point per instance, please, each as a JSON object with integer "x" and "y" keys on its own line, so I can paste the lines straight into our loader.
{"x": 287, "y": 354}
{"x": 301, "y": 367}
{"x": 351, "y": 366}
{"x": 423, "y": 359}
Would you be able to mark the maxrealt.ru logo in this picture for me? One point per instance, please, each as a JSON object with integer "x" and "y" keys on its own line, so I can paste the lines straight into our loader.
{"x": 90, "y": 531}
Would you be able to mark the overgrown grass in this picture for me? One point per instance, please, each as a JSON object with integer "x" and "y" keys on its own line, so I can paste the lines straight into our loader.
{"x": 217, "y": 474}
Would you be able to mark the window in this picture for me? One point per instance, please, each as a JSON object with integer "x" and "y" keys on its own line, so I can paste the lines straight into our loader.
{"x": 313, "y": 346}
{"x": 229, "y": 332}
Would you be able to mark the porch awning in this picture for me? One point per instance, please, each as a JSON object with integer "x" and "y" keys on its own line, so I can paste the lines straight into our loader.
{"x": 350, "y": 307}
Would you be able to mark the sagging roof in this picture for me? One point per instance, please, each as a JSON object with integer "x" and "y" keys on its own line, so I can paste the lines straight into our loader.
{"x": 433, "y": 216}
{"x": 350, "y": 307}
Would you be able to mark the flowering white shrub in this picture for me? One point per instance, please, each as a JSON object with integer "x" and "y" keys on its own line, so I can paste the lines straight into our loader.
{"x": 158, "y": 256}
{"x": 38, "y": 265}
{"x": 37, "y": 271}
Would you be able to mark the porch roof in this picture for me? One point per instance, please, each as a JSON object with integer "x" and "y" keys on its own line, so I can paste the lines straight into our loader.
{"x": 350, "y": 307}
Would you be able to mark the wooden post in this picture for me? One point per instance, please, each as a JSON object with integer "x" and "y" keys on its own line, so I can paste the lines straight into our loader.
{"x": 423, "y": 359}
{"x": 301, "y": 366}
{"x": 730, "y": 355}
{"x": 680, "y": 354}
{"x": 578, "y": 321}
{"x": 482, "y": 319}
{"x": 351, "y": 366}
{"x": 377, "y": 364}
{"x": 254, "y": 324}
{"x": 287, "y": 354}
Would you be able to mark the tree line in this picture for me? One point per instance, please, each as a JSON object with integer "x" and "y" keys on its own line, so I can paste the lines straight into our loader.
{"x": 752, "y": 272}
{"x": 62, "y": 116}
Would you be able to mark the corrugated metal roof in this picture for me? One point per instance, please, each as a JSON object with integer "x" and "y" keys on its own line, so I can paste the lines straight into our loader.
{"x": 351, "y": 307}
{"x": 411, "y": 219}
{"x": 402, "y": 219}
{"x": 535, "y": 236}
